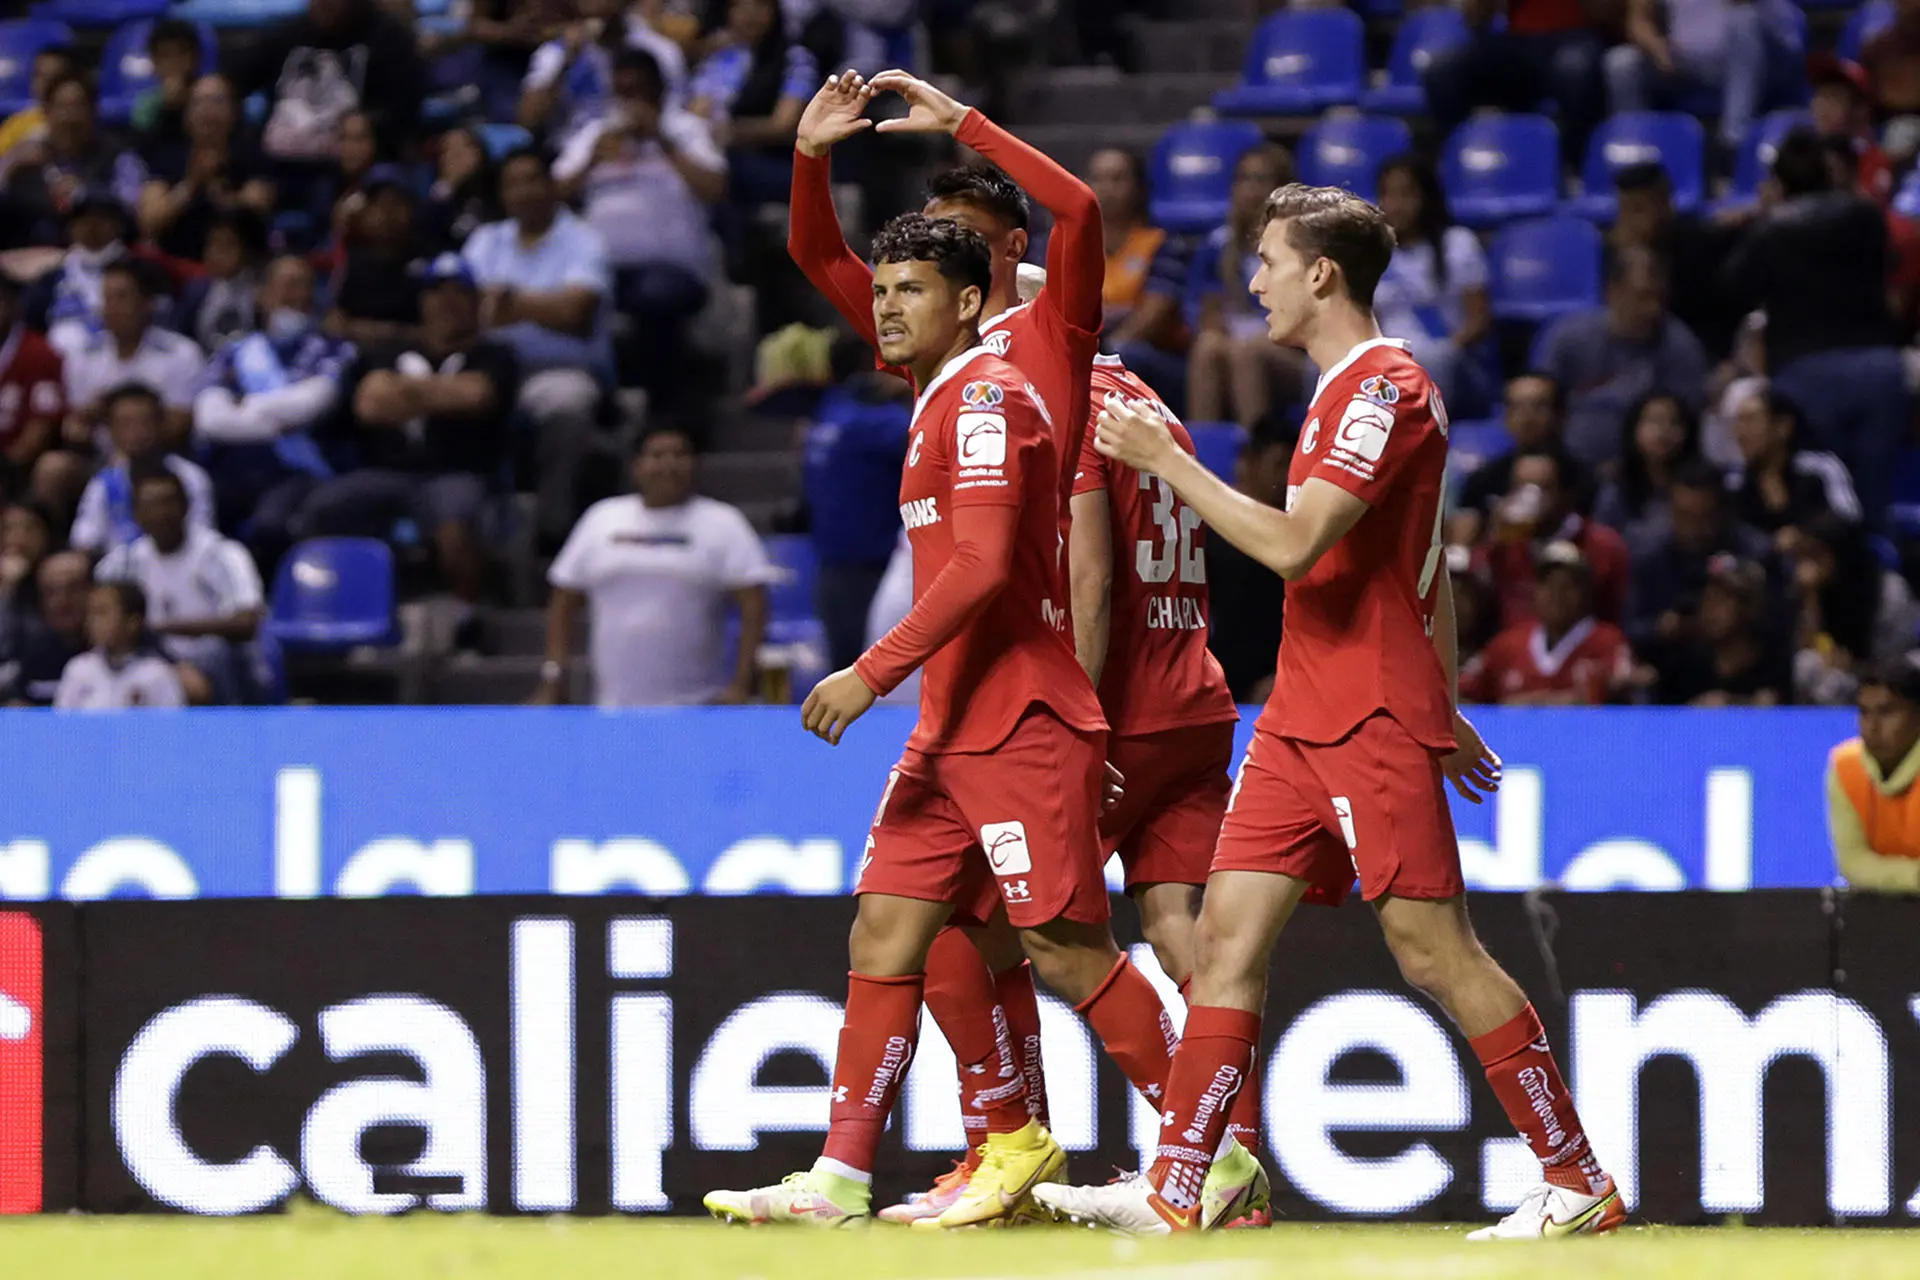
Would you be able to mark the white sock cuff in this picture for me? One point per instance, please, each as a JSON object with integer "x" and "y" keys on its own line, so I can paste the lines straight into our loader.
{"x": 1225, "y": 1148}
{"x": 841, "y": 1170}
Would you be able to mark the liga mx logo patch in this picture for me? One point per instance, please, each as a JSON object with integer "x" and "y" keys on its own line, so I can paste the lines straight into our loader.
{"x": 1380, "y": 390}
{"x": 982, "y": 395}
{"x": 22, "y": 1061}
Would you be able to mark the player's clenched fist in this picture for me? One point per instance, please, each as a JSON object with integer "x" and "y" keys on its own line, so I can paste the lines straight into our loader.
{"x": 835, "y": 703}
{"x": 1131, "y": 432}
{"x": 835, "y": 114}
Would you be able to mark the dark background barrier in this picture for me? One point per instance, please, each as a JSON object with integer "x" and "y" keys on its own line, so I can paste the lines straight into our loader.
{"x": 1749, "y": 1054}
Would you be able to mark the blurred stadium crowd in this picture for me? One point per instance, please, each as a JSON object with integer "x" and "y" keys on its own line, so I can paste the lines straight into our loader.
{"x": 325, "y": 325}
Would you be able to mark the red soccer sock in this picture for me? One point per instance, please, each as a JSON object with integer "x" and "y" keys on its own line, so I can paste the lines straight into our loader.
{"x": 1126, "y": 1013}
{"x": 1209, "y": 1072}
{"x": 877, "y": 1037}
{"x": 1243, "y": 1118}
{"x": 1021, "y": 1006}
{"x": 1526, "y": 1079}
{"x": 961, "y": 996}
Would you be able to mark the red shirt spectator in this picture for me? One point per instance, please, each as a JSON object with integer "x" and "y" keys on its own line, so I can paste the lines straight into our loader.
{"x": 32, "y": 388}
{"x": 1529, "y": 17}
{"x": 1566, "y": 657}
{"x": 1892, "y": 62}
{"x": 1537, "y": 510}
{"x": 1843, "y": 108}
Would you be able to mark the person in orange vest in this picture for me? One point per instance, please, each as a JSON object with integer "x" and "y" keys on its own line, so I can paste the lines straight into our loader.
{"x": 1873, "y": 808}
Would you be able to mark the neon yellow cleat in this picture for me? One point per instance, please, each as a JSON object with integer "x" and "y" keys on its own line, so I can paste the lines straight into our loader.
{"x": 1001, "y": 1189}
{"x": 811, "y": 1199}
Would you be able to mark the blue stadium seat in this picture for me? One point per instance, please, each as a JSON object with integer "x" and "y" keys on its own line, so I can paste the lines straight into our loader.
{"x": 1903, "y": 506}
{"x": 98, "y": 13}
{"x": 1191, "y": 173}
{"x": 20, "y": 40}
{"x": 1756, "y": 156}
{"x": 1422, "y": 34}
{"x": 334, "y": 593}
{"x": 791, "y": 596}
{"x": 1218, "y": 446}
{"x": 1347, "y": 151}
{"x": 1500, "y": 167}
{"x": 1671, "y": 139}
{"x": 237, "y": 13}
{"x": 126, "y": 71}
{"x": 499, "y": 139}
{"x": 1867, "y": 21}
{"x": 1301, "y": 62}
{"x": 1544, "y": 268}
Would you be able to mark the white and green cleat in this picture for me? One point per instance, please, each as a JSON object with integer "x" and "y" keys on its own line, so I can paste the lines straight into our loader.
{"x": 811, "y": 1199}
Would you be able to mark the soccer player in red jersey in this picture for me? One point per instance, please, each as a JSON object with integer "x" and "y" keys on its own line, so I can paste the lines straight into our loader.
{"x": 995, "y": 802}
{"x": 1051, "y": 338}
{"x": 1348, "y": 768}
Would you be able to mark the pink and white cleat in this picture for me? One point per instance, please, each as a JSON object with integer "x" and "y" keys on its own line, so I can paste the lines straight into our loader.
{"x": 946, "y": 1190}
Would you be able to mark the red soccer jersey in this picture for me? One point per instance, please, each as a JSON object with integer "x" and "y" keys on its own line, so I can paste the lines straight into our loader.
{"x": 981, "y": 438}
{"x": 1588, "y": 661}
{"x": 1359, "y": 632}
{"x": 1159, "y": 674}
{"x": 31, "y": 382}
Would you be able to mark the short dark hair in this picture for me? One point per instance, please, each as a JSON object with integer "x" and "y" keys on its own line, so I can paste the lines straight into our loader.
{"x": 248, "y": 227}
{"x": 631, "y": 59}
{"x": 1800, "y": 163}
{"x": 174, "y": 31}
{"x": 66, "y": 78}
{"x": 532, "y": 153}
{"x": 1554, "y": 389}
{"x": 669, "y": 426}
{"x": 1702, "y": 477}
{"x": 154, "y": 471}
{"x": 143, "y": 275}
{"x": 986, "y": 186}
{"x": 1566, "y": 471}
{"x": 1648, "y": 175}
{"x": 1330, "y": 223}
{"x": 130, "y": 391}
{"x": 958, "y": 253}
{"x": 1623, "y": 262}
{"x": 1899, "y": 675}
{"x": 133, "y": 597}
{"x": 65, "y": 52}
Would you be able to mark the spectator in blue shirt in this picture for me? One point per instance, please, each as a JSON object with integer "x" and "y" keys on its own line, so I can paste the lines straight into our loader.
{"x": 544, "y": 280}
{"x": 752, "y": 89}
{"x": 854, "y": 448}
{"x": 263, "y": 406}
{"x": 1234, "y": 373}
{"x": 569, "y": 81}
{"x": 65, "y": 303}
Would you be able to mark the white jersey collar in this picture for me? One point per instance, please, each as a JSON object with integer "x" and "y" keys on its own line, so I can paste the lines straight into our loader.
{"x": 946, "y": 375}
{"x": 1347, "y": 360}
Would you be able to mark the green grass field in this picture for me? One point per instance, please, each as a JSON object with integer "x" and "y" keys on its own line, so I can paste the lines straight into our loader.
{"x": 317, "y": 1246}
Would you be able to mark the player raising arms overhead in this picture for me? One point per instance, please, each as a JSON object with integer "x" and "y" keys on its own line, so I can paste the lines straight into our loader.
{"x": 1348, "y": 768}
{"x": 997, "y": 796}
{"x": 979, "y": 986}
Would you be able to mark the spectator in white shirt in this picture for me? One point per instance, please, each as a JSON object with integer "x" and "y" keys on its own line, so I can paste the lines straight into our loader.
{"x": 203, "y": 596}
{"x": 649, "y": 174}
{"x": 569, "y": 81}
{"x": 1434, "y": 292}
{"x": 133, "y": 414}
{"x": 131, "y": 348}
{"x": 117, "y": 673}
{"x": 544, "y": 288}
{"x": 658, "y": 571}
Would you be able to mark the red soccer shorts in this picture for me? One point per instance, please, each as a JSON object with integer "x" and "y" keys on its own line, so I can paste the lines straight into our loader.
{"x": 1165, "y": 825}
{"x": 1019, "y": 824}
{"x": 1374, "y": 803}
